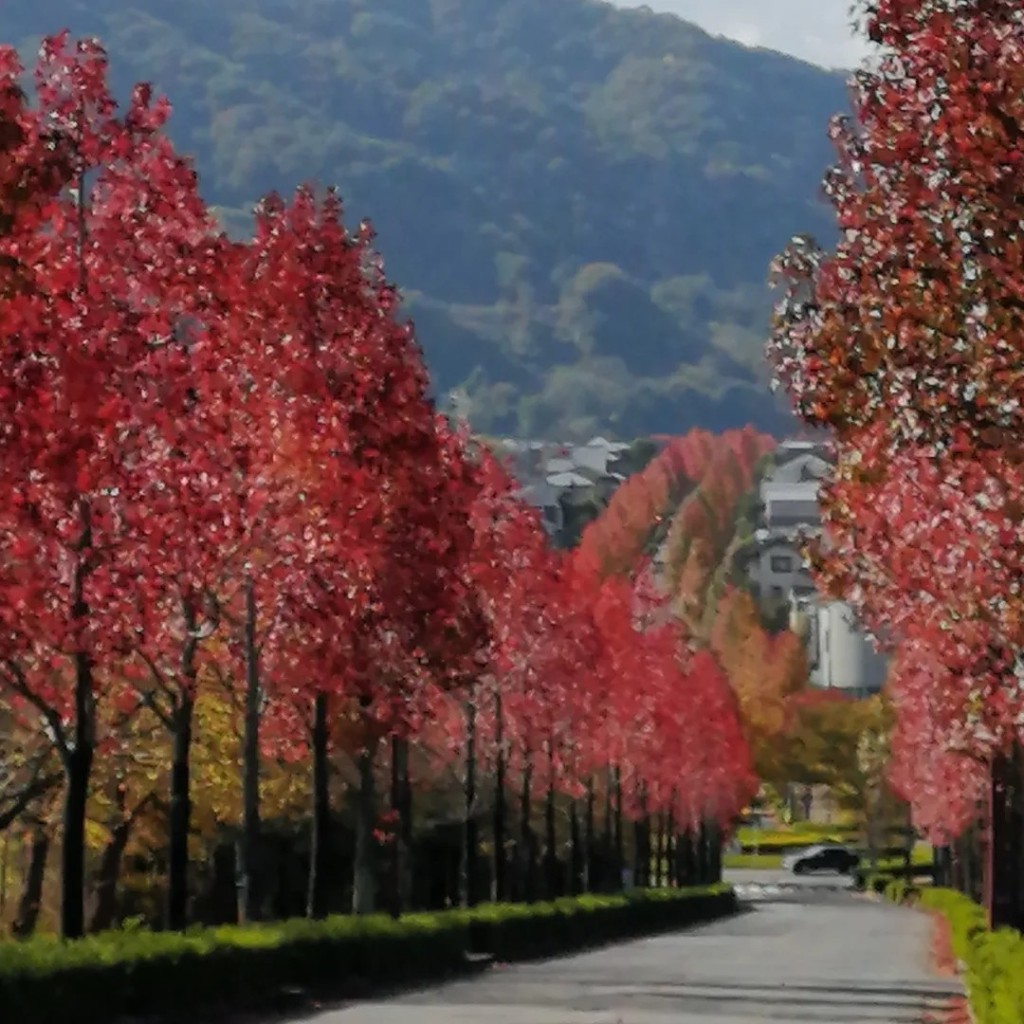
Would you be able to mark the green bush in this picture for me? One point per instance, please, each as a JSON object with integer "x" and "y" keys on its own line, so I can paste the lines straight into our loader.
{"x": 899, "y": 891}
{"x": 528, "y": 931}
{"x": 890, "y": 871}
{"x": 170, "y": 975}
{"x": 994, "y": 961}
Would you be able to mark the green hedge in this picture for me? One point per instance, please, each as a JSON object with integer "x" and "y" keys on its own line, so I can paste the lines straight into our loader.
{"x": 994, "y": 961}
{"x": 169, "y": 976}
{"x": 877, "y": 881}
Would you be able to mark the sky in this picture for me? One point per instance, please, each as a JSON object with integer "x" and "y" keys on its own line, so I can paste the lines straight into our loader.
{"x": 813, "y": 30}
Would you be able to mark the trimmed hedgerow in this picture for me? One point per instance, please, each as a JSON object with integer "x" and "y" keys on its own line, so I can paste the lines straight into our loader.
{"x": 168, "y": 975}
{"x": 993, "y": 961}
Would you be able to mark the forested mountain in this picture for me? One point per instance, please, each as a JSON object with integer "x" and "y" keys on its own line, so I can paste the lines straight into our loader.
{"x": 578, "y": 201}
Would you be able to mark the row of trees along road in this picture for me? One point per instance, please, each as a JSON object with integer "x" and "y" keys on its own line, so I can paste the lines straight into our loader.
{"x": 907, "y": 341}
{"x": 244, "y": 569}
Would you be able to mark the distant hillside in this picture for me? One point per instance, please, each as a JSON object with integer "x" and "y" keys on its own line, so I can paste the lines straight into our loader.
{"x": 578, "y": 201}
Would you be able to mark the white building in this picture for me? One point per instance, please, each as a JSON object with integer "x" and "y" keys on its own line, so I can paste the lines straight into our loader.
{"x": 840, "y": 654}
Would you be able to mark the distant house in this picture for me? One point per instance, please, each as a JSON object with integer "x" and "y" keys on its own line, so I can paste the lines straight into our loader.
{"x": 572, "y": 478}
{"x": 840, "y": 653}
{"x": 777, "y": 569}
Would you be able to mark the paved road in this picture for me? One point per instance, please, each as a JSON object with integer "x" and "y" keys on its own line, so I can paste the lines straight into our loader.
{"x": 772, "y": 886}
{"x": 787, "y": 878}
{"x": 828, "y": 960}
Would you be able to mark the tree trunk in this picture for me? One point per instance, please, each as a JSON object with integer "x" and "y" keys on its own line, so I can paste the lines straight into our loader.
{"x": 320, "y": 840}
{"x": 576, "y": 856}
{"x": 714, "y": 855}
{"x": 686, "y": 860}
{"x": 672, "y": 844}
{"x": 364, "y": 880}
{"x": 104, "y": 915}
{"x": 659, "y": 852}
{"x": 588, "y": 838}
{"x": 500, "y": 859}
{"x": 641, "y": 841}
{"x": 469, "y": 874}
{"x": 908, "y": 849}
{"x": 620, "y": 854}
{"x": 703, "y": 867}
{"x": 180, "y": 816}
{"x": 401, "y": 807}
{"x": 250, "y": 895}
{"x": 1003, "y": 860}
{"x": 526, "y": 843}
{"x": 78, "y": 769}
{"x": 606, "y": 882}
{"x": 32, "y": 892}
{"x": 551, "y": 866}
{"x": 671, "y": 874}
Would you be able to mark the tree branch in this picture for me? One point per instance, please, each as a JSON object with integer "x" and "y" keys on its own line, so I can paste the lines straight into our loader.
{"x": 15, "y": 679}
{"x": 37, "y": 787}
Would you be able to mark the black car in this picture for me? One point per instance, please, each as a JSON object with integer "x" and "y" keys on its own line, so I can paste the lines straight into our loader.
{"x": 830, "y": 857}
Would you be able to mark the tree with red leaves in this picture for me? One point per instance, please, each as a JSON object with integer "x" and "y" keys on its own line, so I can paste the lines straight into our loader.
{"x": 110, "y": 260}
{"x": 906, "y": 341}
{"x": 370, "y": 529}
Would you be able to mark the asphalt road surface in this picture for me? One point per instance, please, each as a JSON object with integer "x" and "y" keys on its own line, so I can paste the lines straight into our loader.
{"x": 828, "y": 880}
{"x": 829, "y": 957}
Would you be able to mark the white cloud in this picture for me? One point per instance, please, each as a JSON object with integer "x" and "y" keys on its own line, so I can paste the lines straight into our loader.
{"x": 815, "y": 30}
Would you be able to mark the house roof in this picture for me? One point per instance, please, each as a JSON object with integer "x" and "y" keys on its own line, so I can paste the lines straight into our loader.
{"x": 568, "y": 479}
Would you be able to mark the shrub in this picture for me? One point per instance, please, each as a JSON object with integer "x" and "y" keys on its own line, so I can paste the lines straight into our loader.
{"x": 171, "y": 975}
{"x": 994, "y": 961}
{"x": 899, "y": 891}
{"x": 889, "y": 871}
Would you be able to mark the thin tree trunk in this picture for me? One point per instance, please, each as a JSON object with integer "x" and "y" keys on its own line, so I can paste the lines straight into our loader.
{"x": 500, "y": 859}
{"x": 671, "y": 875}
{"x": 714, "y": 852}
{"x": 686, "y": 860}
{"x": 469, "y": 874}
{"x": 250, "y": 895}
{"x": 526, "y": 842}
{"x": 551, "y": 869}
{"x": 620, "y": 854}
{"x": 606, "y": 883}
{"x": 78, "y": 756}
{"x": 672, "y": 843}
{"x": 320, "y": 840}
{"x": 401, "y": 808}
{"x": 364, "y": 880}
{"x": 588, "y": 838}
{"x": 1003, "y": 860}
{"x": 703, "y": 865}
{"x": 577, "y": 858}
{"x": 78, "y": 769}
{"x": 659, "y": 852}
{"x": 32, "y": 892}
{"x": 641, "y": 855}
{"x": 104, "y": 915}
{"x": 180, "y": 815}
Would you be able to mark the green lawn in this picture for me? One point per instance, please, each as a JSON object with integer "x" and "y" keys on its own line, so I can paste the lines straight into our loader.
{"x": 752, "y": 862}
{"x": 921, "y": 857}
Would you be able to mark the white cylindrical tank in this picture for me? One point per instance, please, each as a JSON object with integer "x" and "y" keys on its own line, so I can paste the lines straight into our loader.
{"x": 848, "y": 659}
{"x": 799, "y": 623}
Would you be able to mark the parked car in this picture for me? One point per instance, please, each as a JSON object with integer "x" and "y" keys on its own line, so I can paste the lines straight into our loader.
{"x": 824, "y": 857}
